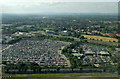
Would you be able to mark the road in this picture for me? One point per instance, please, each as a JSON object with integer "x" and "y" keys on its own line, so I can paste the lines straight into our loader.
{"x": 6, "y": 48}
{"x": 82, "y": 77}
{"x": 63, "y": 56}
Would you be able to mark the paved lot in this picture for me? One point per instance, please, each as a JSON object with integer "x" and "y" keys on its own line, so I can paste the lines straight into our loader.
{"x": 43, "y": 52}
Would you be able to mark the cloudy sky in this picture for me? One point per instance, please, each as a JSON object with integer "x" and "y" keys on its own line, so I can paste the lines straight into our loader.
{"x": 59, "y": 6}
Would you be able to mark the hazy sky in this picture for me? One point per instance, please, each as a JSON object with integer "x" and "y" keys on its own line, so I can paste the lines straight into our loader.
{"x": 59, "y": 6}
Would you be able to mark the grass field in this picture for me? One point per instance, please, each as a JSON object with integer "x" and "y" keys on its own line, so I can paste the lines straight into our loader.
{"x": 57, "y": 75}
{"x": 23, "y": 75}
{"x": 64, "y": 75}
{"x": 101, "y": 74}
{"x": 0, "y": 70}
{"x": 105, "y": 39}
{"x": 45, "y": 28}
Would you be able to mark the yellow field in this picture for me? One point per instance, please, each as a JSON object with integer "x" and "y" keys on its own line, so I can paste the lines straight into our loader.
{"x": 106, "y": 39}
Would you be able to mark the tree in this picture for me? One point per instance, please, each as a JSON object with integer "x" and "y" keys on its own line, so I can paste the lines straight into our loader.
{"x": 58, "y": 69}
{"x": 119, "y": 67}
{"x": 82, "y": 37}
{"x": 34, "y": 66}
{"x": 4, "y": 62}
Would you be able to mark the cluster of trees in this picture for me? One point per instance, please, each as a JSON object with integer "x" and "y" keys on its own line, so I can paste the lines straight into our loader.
{"x": 76, "y": 34}
{"x": 16, "y": 39}
{"x": 67, "y": 51}
{"x": 52, "y": 38}
{"x": 119, "y": 67}
{"x": 23, "y": 67}
{"x": 29, "y": 67}
{"x": 119, "y": 57}
{"x": 63, "y": 21}
{"x": 40, "y": 37}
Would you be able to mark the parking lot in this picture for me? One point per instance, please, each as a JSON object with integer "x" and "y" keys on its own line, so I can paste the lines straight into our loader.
{"x": 92, "y": 54}
{"x": 43, "y": 52}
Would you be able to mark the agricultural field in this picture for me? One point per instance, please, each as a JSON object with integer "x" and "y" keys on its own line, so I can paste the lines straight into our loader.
{"x": 105, "y": 39}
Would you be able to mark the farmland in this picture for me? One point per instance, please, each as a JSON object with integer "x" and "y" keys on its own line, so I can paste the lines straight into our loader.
{"x": 105, "y": 39}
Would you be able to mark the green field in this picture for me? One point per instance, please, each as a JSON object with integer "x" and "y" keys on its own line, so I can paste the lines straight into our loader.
{"x": 102, "y": 74}
{"x": 64, "y": 75}
{"x": 57, "y": 75}
{"x": 45, "y": 28}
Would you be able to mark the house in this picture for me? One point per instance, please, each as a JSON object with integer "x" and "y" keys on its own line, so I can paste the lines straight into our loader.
{"x": 78, "y": 55}
{"x": 49, "y": 31}
{"x": 118, "y": 35}
{"x": 110, "y": 34}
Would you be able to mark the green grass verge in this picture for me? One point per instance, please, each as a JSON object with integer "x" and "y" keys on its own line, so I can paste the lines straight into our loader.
{"x": 64, "y": 75}
{"x": 57, "y": 75}
{"x": 15, "y": 75}
{"x": 21, "y": 75}
{"x": 102, "y": 74}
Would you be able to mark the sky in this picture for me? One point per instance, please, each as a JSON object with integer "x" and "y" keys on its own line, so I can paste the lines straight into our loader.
{"x": 58, "y": 6}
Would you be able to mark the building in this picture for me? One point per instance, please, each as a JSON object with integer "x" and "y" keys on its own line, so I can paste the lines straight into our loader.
{"x": 88, "y": 52}
{"x": 103, "y": 53}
